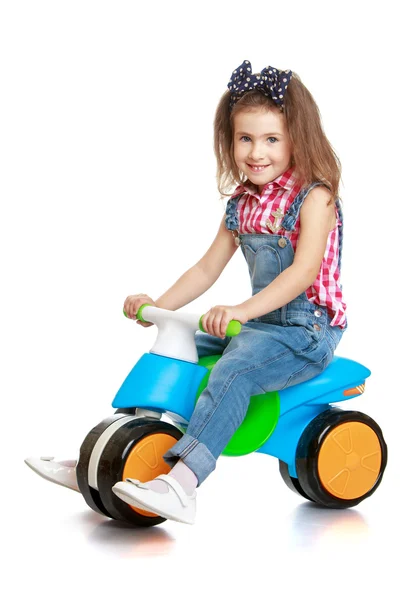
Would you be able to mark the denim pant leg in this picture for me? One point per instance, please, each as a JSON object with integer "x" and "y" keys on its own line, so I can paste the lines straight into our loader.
{"x": 207, "y": 345}
{"x": 262, "y": 358}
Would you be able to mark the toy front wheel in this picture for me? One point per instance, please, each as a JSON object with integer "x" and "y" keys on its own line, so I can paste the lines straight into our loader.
{"x": 340, "y": 458}
{"x": 119, "y": 447}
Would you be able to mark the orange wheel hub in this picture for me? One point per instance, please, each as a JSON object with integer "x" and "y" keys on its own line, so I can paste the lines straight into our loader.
{"x": 145, "y": 461}
{"x": 349, "y": 461}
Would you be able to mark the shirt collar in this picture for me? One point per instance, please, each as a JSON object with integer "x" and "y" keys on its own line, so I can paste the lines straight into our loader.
{"x": 286, "y": 181}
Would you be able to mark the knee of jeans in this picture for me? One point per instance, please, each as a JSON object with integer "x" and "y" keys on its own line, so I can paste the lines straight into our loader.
{"x": 242, "y": 385}
{"x": 202, "y": 344}
{"x": 208, "y": 345}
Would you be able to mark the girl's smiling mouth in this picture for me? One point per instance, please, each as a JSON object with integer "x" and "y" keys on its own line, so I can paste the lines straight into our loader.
{"x": 257, "y": 168}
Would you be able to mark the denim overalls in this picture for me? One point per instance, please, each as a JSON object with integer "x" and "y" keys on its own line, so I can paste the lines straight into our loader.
{"x": 282, "y": 348}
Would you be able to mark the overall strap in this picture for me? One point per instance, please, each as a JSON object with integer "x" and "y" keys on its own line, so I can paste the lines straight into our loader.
{"x": 338, "y": 204}
{"x": 231, "y": 220}
{"x": 292, "y": 213}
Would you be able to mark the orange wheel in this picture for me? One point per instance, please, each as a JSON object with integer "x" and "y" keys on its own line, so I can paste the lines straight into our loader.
{"x": 145, "y": 460}
{"x": 350, "y": 460}
{"x": 134, "y": 450}
{"x": 341, "y": 457}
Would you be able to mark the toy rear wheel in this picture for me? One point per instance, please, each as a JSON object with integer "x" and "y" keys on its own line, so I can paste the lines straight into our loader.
{"x": 292, "y": 482}
{"x": 340, "y": 458}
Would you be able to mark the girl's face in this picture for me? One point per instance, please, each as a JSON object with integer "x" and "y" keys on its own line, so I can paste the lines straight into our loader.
{"x": 261, "y": 138}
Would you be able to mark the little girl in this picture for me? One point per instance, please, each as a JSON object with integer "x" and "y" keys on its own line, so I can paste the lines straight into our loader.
{"x": 285, "y": 214}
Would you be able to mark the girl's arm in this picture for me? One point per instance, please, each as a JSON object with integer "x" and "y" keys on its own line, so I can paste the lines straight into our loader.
{"x": 316, "y": 219}
{"x": 199, "y": 278}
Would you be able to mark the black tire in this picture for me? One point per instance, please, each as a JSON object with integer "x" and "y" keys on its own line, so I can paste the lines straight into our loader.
{"x": 90, "y": 494}
{"x": 113, "y": 461}
{"x": 292, "y": 482}
{"x": 341, "y": 479}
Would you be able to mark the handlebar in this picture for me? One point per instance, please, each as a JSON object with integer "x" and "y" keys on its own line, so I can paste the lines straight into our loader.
{"x": 234, "y": 326}
{"x": 176, "y": 331}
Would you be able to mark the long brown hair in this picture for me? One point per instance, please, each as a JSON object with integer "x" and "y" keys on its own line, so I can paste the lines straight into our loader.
{"x": 313, "y": 156}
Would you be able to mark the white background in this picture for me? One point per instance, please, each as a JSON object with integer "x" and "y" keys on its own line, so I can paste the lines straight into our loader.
{"x": 107, "y": 189}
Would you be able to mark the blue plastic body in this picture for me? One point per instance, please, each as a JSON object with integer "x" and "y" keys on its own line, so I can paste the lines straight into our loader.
{"x": 170, "y": 385}
{"x": 163, "y": 384}
{"x": 301, "y": 403}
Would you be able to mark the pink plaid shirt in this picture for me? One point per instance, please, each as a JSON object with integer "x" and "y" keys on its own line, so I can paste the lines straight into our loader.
{"x": 263, "y": 213}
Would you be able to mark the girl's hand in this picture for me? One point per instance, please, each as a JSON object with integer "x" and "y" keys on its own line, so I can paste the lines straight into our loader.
{"x": 216, "y": 320}
{"x": 132, "y": 305}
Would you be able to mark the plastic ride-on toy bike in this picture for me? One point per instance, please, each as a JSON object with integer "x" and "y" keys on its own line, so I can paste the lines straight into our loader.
{"x": 332, "y": 457}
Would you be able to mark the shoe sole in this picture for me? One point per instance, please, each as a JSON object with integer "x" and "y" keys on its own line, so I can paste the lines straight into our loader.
{"x": 143, "y": 506}
{"x": 36, "y": 470}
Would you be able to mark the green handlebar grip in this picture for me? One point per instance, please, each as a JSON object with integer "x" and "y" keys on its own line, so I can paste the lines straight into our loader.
{"x": 234, "y": 327}
{"x": 139, "y": 313}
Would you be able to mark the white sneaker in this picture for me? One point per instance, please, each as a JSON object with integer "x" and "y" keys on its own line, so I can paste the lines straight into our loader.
{"x": 174, "y": 504}
{"x": 62, "y": 472}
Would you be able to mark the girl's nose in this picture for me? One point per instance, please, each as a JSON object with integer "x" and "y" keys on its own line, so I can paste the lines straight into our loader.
{"x": 258, "y": 159}
{"x": 257, "y": 154}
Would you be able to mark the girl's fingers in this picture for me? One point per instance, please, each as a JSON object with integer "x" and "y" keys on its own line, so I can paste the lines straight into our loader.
{"x": 128, "y": 307}
{"x": 217, "y": 325}
{"x": 220, "y": 325}
{"x": 133, "y": 303}
{"x": 214, "y": 324}
{"x": 221, "y": 329}
{"x": 144, "y": 324}
{"x": 211, "y": 325}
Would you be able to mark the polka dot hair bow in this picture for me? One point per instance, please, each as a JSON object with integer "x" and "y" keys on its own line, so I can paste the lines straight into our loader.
{"x": 271, "y": 82}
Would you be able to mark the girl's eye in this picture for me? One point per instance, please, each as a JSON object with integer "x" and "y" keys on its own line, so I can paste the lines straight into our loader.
{"x": 247, "y": 138}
